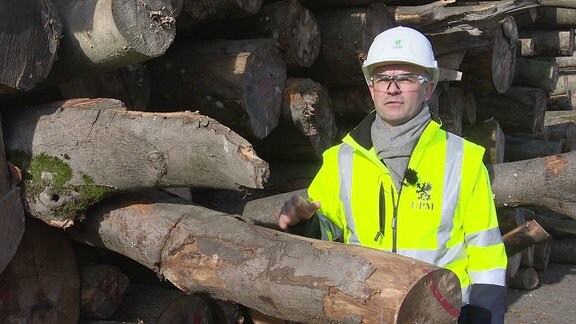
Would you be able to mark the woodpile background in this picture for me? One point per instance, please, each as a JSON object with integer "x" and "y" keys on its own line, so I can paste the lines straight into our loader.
{"x": 146, "y": 148}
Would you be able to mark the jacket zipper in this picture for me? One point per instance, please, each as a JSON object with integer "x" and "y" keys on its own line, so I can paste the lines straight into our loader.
{"x": 382, "y": 221}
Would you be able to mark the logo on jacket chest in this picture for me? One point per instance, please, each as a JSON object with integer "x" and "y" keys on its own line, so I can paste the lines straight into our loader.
{"x": 423, "y": 197}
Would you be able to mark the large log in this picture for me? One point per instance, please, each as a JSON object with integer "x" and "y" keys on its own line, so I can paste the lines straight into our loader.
{"x": 556, "y": 16}
{"x": 201, "y": 250}
{"x": 519, "y": 110}
{"x": 103, "y": 35}
{"x": 306, "y": 127}
{"x": 197, "y": 12}
{"x": 102, "y": 287}
{"x": 524, "y": 236}
{"x": 76, "y": 152}
{"x": 552, "y": 221}
{"x": 523, "y": 148}
{"x": 30, "y": 34}
{"x": 556, "y": 42}
{"x": 451, "y": 109}
{"x": 351, "y": 103}
{"x": 237, "y": 82}
{"x": 347, "y": 34}
{"x": 489, "y": 135}
{"x": 535, "y": 73}
{"x": 41, "y": 284}
{"x": 564, "y": 251}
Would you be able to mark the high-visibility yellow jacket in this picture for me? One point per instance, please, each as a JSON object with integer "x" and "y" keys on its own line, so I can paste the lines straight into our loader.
{"x": 443, "y": 214}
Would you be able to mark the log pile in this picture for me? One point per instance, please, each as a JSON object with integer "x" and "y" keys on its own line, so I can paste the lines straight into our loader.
{"x": 230, "y": 104}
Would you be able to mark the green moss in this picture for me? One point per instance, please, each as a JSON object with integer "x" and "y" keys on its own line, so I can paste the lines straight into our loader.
{"x": 57, "y": 172}
{"x": 19, "y": 158}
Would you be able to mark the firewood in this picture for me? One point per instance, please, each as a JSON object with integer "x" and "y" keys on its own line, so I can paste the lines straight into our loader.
{"x": 31, "y": 33}
{"x": 201, "y": 250}
{"x": 525, "y": 278}
{"x": 237, "y": 82}
{"x": 12, "y": 216}
{"x": 488, "y": 134}
{"x": 76, "y": 152}
{"x": 523, "y": 148}
{"x": 104, "y": 35}
{"x": 524, "y": 236}
{"x": 129, "y": 84}
{"x": 347, "y": 34}
{"x": 451, "y": 109}
{"x": 510, "y": 218}
{"x": 102, "y": 288}
{"x": 492, "y": 67}
{"x": 306, "y": 127}
{"x": 519, "y": 110}
{"x": 530, "y": 72}
{"x": 41, "y": 285}
{"x": 547, "y": 42}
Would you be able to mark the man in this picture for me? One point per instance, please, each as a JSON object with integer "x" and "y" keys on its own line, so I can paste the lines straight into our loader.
{"x": 399, "y": 183}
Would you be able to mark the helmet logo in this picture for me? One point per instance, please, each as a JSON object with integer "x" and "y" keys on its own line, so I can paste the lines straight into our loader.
{"x": 397, "y": 43}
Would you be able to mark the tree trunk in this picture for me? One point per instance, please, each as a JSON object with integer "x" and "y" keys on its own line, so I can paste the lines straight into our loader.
{"x": 556, "y": 42}
{"x": 535, "y": 73}
{"x": 102, "y": 288}
{"x": 40, "y": 285}
{"x": 103, "y": 35}
{"x": 239, "y": 83}
{"x": 525, "y": 278}
{"x": 130, "y": 84}
{"x": 76, "y": 152}
{"x": 524, "y": 148}
{"x": 419, "y": 16}
{"x": 12, "y": 210}
{"x": 558, "y": 3}
{"x": 524, "y": 236}
{"x": 555, "y": 16}
{"x": 546, "y": 181}
{"x": 564, "y": 251}
{"x": 489, "y": 135}
{"x": 519, "y": 110}
{"x": 470, "y": 112}
{"x": 347, "y": 34}
{"x": 552, "y": 221}
{"x": 201, "y": 250}
{"x": 31, "y": 32}
{"x": 492, "y": 67}
{"x": 351, "y": 103}
{"x": 510, "y": 218}
{"x": 307, "y": 126}
{"x": 542, "y": 252}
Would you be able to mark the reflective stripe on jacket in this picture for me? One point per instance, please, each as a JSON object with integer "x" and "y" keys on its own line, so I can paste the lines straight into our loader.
{"x": 443, "y": 214}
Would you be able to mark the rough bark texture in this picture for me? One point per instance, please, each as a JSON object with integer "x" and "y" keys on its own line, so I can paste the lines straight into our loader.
{"x": 237, "y": 82}
{"x": 41, "y": 285}
{"x": 201, "y": 250}
{"x": 489, "y": 135}
{"x": 524, "y": 148}
{"x": 451, "y": 110}
{"x": 76, "y": 152}
{"x": 202, "y": 11}
{"x": 557, "y": 42}
{"x": 102, "y": 288}
{"x": 103, "y": 35}
{"x": 30, "y": 34}
{"x": 535, "y": 73}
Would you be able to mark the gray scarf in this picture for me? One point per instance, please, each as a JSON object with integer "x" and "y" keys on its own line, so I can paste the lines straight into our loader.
{"x": 394, "y": 145}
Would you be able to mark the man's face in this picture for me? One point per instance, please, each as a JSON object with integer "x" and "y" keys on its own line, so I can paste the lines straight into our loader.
{"x": 394, "y": 105}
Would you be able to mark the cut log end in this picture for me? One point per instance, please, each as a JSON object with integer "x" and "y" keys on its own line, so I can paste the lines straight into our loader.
{"x": 270, "y": 79}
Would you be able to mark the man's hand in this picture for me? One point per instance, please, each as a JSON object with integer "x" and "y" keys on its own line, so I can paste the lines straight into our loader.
{"x": 295, "y": 210}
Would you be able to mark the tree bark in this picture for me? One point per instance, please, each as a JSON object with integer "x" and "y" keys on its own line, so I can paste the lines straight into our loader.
{"x": 519, "y": 110}
{"x": 351, "y": 103}
{"x": 510, "y": 218}
{"x": 535, "y": 73}
{"x": 129, "y": 84}
{"x": 542, "y": 252}
{"x": 451, "y": 109}
{"x": 556, "y": 16}
{"x": 563, "y": 251}
{"x": 40, "y": 285}
{"x": 552, "y": 221}
{"x": 31, "y": 32}
{"x": 556, "y": 42}
{"x": 419, "y": 16}
{"x": 525, "y": 278}
{"x": 197, "y": 12}
{"x": 104, "y": 35}
{"x": 347, "y": 34}
{"x": 76, "y": 152}
{"x": 524, "y": 148}
{"x": 201, "y": 250}
{"x": 12, "y": 210}
{"x": 237, "y": 82}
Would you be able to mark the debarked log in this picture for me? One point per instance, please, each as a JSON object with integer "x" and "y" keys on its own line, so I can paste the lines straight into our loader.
{"x": 229, "y": 258}
{"x": 74, "y": 153}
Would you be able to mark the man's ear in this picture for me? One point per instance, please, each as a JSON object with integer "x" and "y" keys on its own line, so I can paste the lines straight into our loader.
{"x": 371, "y": 89}
{"x": 429, "y": 91}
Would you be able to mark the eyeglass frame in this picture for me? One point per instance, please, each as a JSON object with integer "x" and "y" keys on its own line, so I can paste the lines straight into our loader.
{"x": 394, "y": 79}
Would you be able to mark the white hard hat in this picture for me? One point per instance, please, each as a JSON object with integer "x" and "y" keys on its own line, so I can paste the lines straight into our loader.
{"x": 401, "y": 45}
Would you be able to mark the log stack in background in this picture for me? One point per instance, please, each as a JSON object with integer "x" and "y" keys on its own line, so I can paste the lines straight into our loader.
{"x": 230, "y": 104}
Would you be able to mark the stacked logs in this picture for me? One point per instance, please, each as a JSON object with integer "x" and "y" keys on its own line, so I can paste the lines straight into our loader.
{"x": 236, "y": 111}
